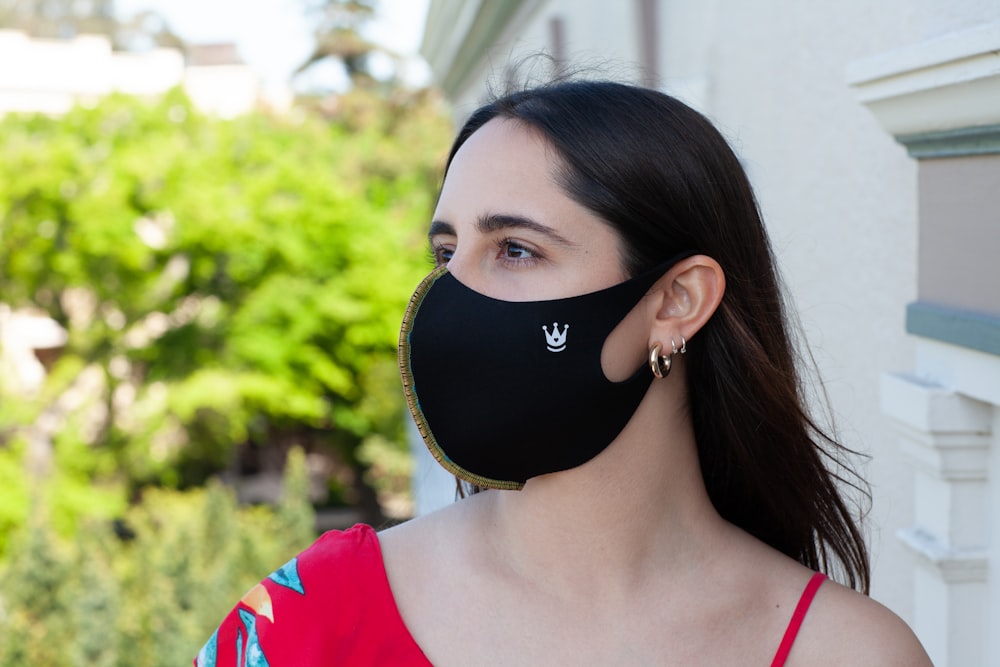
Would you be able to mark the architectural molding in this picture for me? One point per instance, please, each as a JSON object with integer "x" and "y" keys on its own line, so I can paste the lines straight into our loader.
{"x": 927, "y": 406}
{"x": 952, "y": 565}
{"x": 966, "y": 372}
{"x": 979, "y": 140}
{"x": 974, "y": 330}
{"x": 948, "y": 82}
{"x": 947, "y": 438}
{"x": 459, "y": 35}
{"x": 951, "y": 457}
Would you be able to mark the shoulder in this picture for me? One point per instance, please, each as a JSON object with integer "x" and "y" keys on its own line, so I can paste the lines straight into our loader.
{"x": 434, "y": 534}
{"x": 840, "y": 626}
{"x": 338, "y": 565}
{"x": 844, "y": 627}
{"x": 336, "y": 551}
{"x": 280, "y": 615}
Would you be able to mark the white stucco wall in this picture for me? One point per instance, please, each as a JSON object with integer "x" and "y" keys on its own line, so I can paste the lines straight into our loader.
{"x": 598, "y": 35}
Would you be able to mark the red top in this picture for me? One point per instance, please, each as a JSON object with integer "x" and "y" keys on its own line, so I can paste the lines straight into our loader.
{"x": 332, "y": 605}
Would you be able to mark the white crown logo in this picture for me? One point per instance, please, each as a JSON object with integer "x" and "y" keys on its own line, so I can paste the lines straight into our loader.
{"x": 556, "y": 340}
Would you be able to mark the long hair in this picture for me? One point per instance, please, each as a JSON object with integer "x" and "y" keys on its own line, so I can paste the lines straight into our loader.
{"x": 665, "y": 179}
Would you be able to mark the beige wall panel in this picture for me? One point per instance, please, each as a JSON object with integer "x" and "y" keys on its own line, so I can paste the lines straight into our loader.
{"x": 959, "y": 245}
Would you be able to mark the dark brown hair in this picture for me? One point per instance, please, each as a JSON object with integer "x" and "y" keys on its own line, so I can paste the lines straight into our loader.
{"x": 666, "y": 180}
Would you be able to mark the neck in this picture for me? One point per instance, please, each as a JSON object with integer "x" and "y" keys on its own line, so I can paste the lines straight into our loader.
{"x": 638, "y": 507}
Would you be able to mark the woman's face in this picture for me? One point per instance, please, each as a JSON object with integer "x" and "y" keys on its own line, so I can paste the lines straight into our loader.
{"x": 507, "y": 230}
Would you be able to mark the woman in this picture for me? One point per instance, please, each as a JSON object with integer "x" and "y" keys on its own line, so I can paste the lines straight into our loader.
{"x": 603, "y": 351}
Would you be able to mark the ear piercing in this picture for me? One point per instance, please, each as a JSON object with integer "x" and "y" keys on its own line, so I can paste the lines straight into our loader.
{"x": 660, "y": 364}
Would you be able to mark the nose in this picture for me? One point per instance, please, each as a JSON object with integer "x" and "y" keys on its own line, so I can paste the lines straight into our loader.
{"x": 459, "y": 267}
{"x": 467, "y": 271}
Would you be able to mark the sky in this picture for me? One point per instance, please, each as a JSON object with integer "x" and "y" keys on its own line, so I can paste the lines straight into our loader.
{"x": 275, "y": 36}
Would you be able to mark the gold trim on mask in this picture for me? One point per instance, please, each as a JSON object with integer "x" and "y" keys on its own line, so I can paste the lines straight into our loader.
{"x": 413, "y": 403}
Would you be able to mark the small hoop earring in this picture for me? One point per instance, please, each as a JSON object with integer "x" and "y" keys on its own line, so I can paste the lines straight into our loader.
{"x": 673, "y": 346}
{"x": 684, "y": 345}
{"x": 660, "y": 365}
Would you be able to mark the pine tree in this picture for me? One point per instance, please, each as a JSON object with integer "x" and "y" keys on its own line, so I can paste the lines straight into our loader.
{"x": 93, "y": 601}
{"x": 296, "y": 518}
{"x": 36, "y": 625}
{"x": 152, "y": 632}
{"x": 339, "y": 35}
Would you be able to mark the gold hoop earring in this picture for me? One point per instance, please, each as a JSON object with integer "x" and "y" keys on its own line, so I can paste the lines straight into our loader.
{"x": 660, "y": 365}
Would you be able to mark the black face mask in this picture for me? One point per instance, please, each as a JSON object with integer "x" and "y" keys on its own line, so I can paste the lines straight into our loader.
{"x": 503, "y": 391}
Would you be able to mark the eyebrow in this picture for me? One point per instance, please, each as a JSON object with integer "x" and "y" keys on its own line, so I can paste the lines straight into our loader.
{"x": 439, "y": 228}
{"x": 494, "y": 222}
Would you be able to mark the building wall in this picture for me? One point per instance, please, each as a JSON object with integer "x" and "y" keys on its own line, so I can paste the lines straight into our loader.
{"x": 222, "y": 90}
{"x": 839, "y": 195}
{"x": 50, "y": 76}
{"x": 959, "y": 200}
{"x": 839, "y": 199}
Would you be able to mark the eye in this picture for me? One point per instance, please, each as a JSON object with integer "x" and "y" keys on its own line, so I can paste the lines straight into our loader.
{"x": 441, "y": 254}
{"x": 513, "y": 250}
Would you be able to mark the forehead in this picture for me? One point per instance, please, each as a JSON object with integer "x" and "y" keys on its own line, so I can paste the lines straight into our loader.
{"x": 508, "y": 170}
{"x": 504, "y": 164}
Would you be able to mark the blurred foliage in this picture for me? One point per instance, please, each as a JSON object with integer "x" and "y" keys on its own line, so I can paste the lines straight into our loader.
{"x": 232, "y": 292}
{"x": 148, "y": 590}
{"x": 65, "y": 19}
{"x": 59, "y": 19}
{"x": 339, "y": 27}
{"x": 227, "y": 286}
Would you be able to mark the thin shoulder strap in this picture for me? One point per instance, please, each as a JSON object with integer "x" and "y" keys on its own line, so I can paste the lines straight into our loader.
{"x": 800, "y": 613}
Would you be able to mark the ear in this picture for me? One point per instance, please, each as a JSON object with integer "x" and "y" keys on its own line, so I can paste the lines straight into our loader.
{"x": 684, "y": 299}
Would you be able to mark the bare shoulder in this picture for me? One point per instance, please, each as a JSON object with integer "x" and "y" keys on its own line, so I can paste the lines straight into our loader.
{"x": 429, "y": 540}
{"x": 405, "y": 542}
{"x": 844, "y": 627}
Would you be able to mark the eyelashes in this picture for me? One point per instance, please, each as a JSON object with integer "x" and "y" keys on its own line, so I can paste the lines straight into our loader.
{"x": 513, "y": 251}
{"x": 435, "y": 255}
{"x": 509, "y": 252}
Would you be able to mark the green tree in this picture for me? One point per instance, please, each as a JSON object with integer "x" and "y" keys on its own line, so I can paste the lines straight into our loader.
{"x": 295, "y": 514}
{"x": 59, "y": 18}
{"x": 339, "y": 35}
{"x": 36, "y": 622}
{"x": 93, "y": 599}
{"x": 63, "y": 19}
{"x": 228, "y": 286}
{"x": 232, "y": 289}
{"x": 149, "y": 595}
